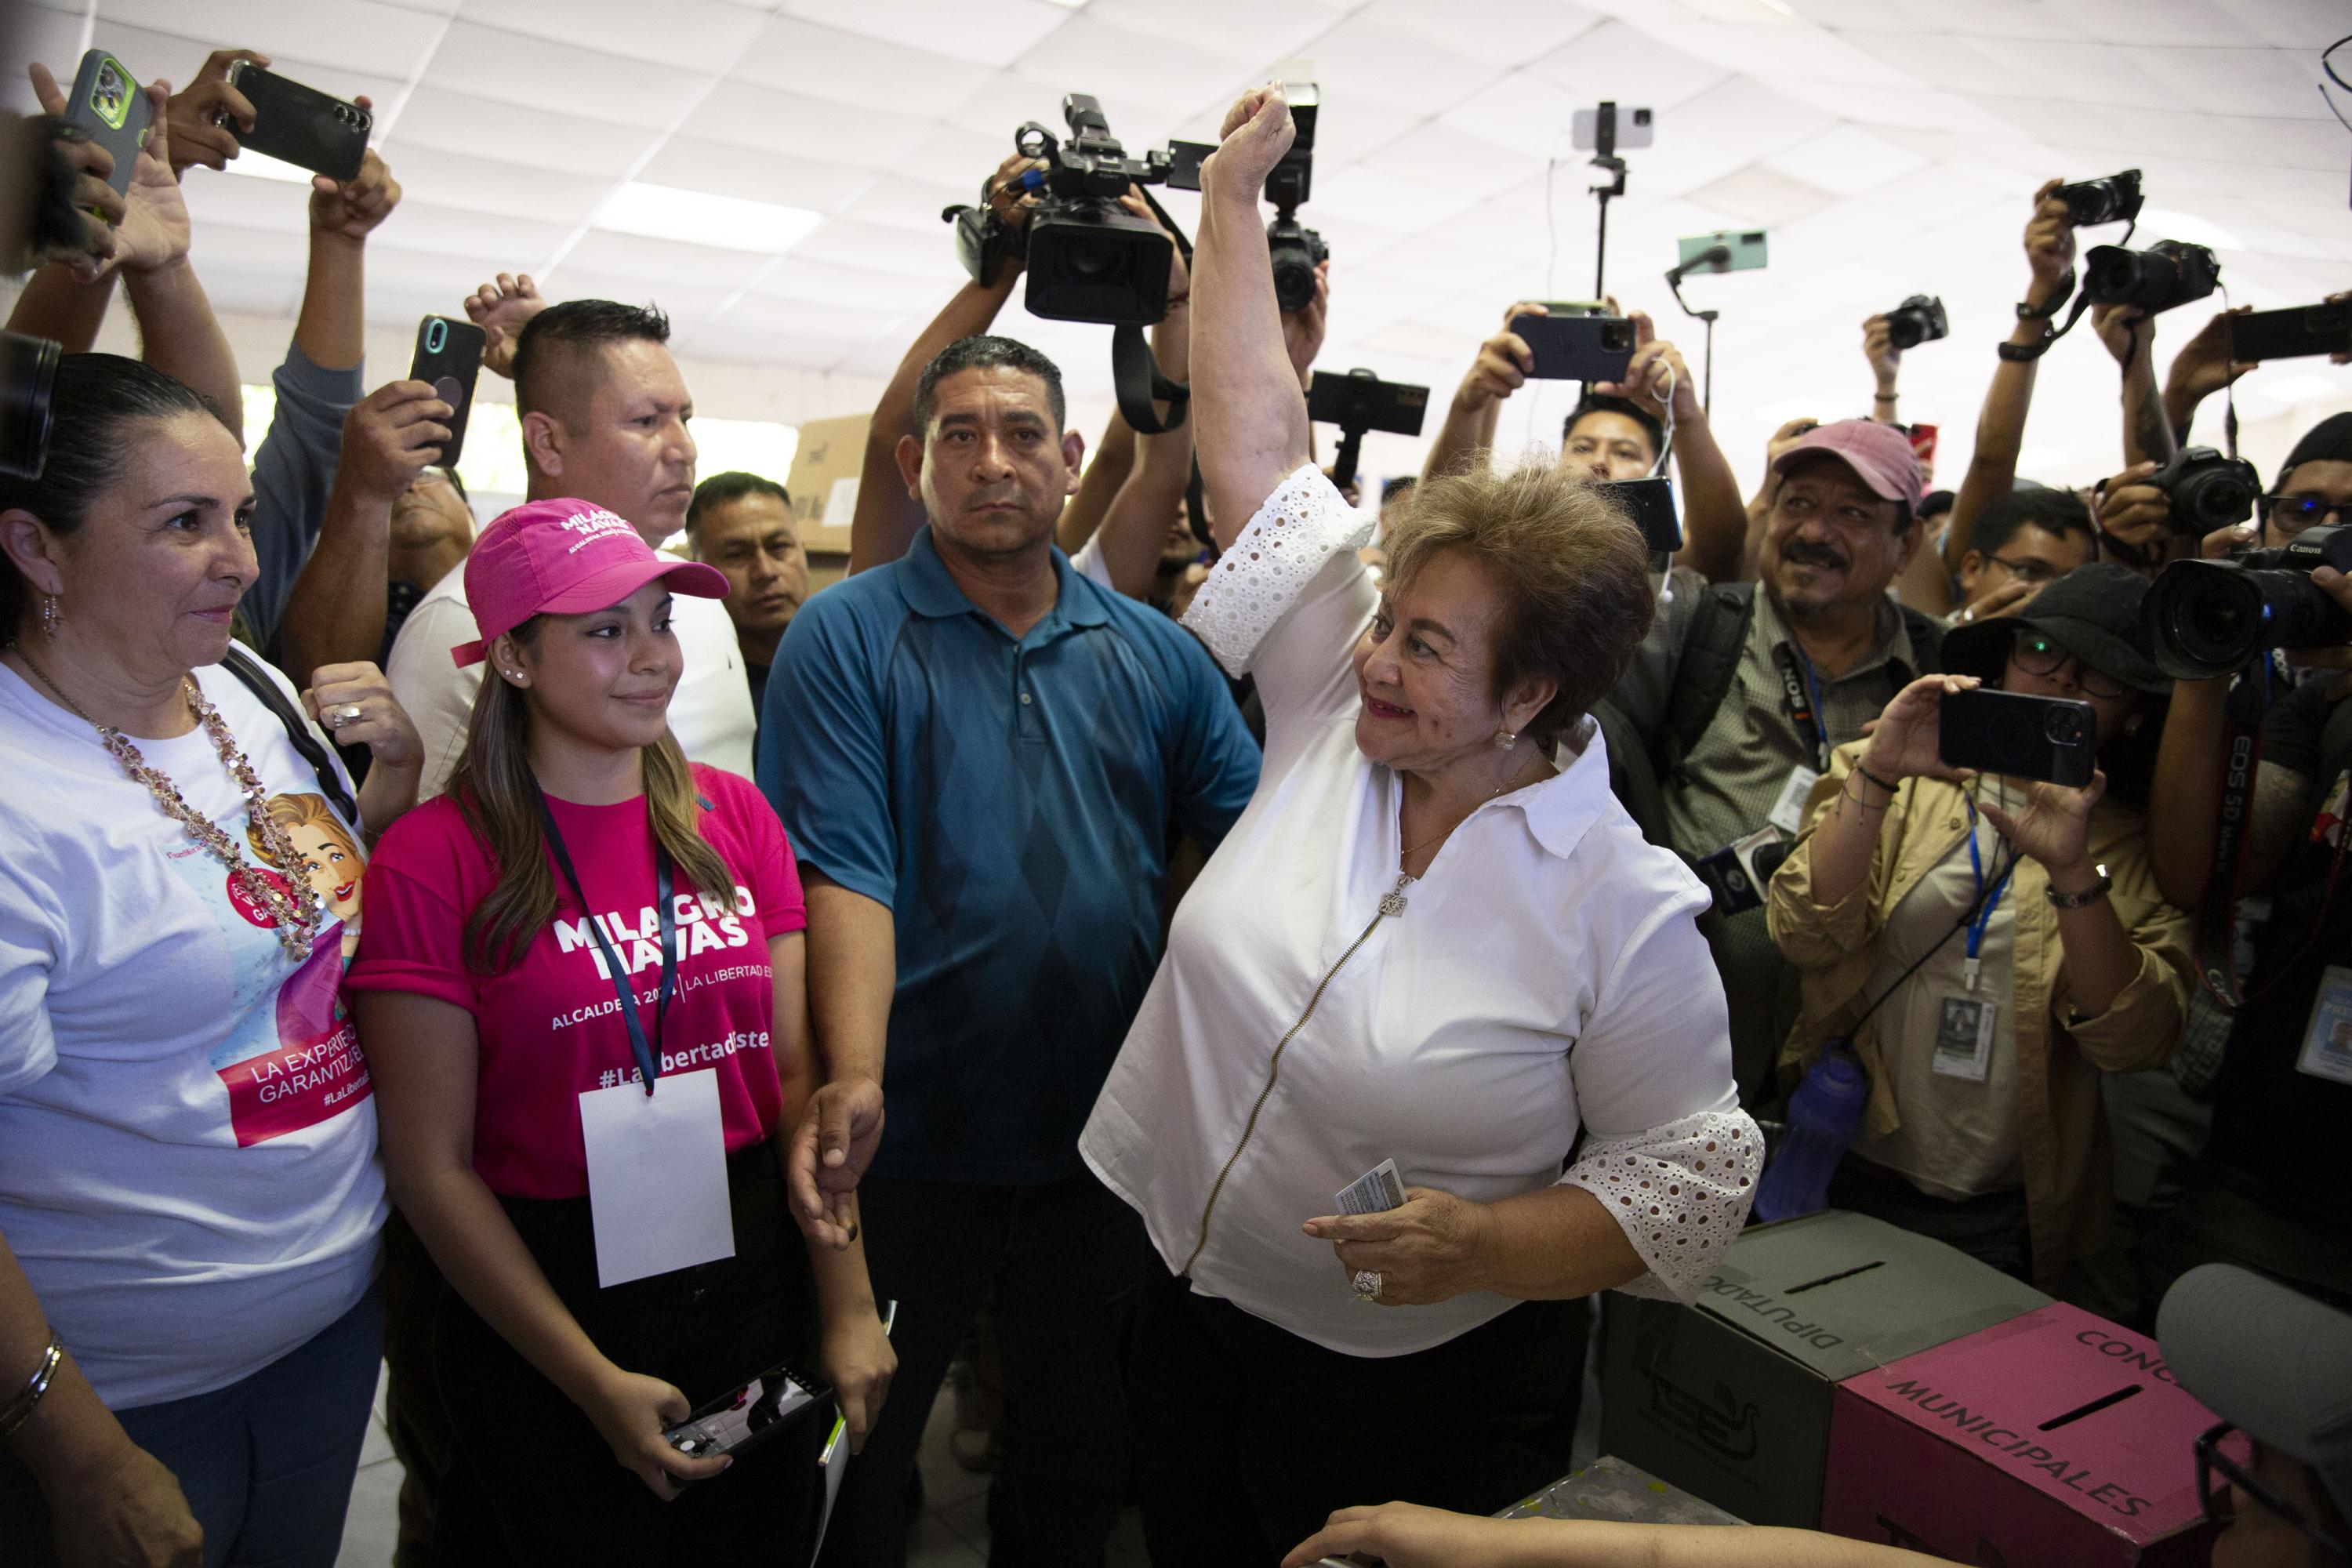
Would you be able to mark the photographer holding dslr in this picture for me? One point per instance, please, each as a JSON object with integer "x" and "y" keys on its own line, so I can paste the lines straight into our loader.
{"x": 1989, "y": 946}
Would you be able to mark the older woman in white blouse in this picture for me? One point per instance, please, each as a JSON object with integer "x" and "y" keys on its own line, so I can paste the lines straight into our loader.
{"x": 1426, "y": 940}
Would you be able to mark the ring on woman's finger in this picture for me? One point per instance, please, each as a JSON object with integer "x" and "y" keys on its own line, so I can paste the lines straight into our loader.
{"x": 347, "y": 714}
{"x": 1367, "y": 1285}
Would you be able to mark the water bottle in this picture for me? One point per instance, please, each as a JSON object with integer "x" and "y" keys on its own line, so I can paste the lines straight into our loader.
{"x": 1824, "y": 1117}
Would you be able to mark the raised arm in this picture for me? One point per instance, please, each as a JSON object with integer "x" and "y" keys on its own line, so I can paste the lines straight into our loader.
{"x": 1885, "y": 366}
{"x": 1500, "y": 369}
{"x": 2203, "y": 367}
{"x": 887, "y": 518}
{"x": 1249, "y": 418}
{"x": 1408, "y": 1535}
{"x": 178, "y": 333}
{"x": 1715, "y": 519}
{"x": 2001, "y": 427}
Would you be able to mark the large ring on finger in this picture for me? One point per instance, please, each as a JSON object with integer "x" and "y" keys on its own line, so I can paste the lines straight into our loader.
{"x": 347, "y": 714}
{"x": 1367, "y": 1285}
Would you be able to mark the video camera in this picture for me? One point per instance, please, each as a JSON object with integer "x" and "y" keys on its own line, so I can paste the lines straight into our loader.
{"x": 2169, "y": 272}
{"x": 28, "y": 381}
{"x": 2206, "y": 618}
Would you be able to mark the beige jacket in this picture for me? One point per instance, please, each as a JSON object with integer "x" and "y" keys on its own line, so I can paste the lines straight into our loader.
{"x": 2062, "y": 1131}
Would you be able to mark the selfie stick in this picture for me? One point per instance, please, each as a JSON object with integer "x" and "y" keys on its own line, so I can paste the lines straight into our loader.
{"x": 1604, "y": 147}
{"x": 1711, "y": 260}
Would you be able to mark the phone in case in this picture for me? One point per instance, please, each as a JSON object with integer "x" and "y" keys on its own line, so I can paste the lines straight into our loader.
{"x": 735, "y": 1420}
{"x": 111, "y": 108}
{"x": 300, "y": 124}
{"x": 2053, "y": 738}
{"x": 450, "y": 357}
{"x": 2300, "y": 330}
{"x": 1577, "y": 348}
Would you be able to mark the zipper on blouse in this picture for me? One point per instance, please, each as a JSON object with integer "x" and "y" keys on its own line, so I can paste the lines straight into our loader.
{"x": 1392, "y": 903}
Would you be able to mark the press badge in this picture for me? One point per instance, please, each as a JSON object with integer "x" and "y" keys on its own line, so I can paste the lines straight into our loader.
{"x": 2327, "y": 1043}
{"x": 656, "y": 1176}
{"x": 1789, "y": 811}
{"x": 1964, "y": 1037}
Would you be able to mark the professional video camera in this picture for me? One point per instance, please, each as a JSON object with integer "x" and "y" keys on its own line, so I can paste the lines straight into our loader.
{"x": 2207, "y": 489}
{"x": 1919, "y": 320}
{"x": 2115, "y": 199}
{"x": 2206, "y": 618}
{"x": 2168, "y": 273}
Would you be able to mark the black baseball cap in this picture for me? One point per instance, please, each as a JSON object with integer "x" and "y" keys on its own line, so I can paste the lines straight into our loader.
{"x": 2092, "y": 612}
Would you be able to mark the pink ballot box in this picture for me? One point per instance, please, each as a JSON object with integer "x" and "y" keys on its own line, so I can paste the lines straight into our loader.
{"x": 2054, "y": 1440}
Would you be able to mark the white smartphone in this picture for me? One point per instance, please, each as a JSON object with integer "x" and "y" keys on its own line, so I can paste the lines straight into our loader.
{"x": 1634, "y": 127}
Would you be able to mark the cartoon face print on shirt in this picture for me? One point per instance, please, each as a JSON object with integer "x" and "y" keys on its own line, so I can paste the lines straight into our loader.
{"x": 291, "y": 1057}
{"x": 329, "y": 856}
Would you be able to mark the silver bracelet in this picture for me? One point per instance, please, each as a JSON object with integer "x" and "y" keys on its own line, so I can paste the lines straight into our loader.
{"x": 20, "y": 1409}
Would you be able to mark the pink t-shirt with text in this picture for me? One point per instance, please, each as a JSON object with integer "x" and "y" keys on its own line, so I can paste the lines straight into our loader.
{"x": 549, "y": 1028}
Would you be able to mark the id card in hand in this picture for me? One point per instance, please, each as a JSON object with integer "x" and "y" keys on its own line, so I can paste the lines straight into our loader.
{"x": 1377, "y": 1191}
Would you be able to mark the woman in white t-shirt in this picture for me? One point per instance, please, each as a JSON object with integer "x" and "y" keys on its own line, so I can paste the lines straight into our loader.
{"x": 1430, "y": 971}
{"x": 189, "y": 1189}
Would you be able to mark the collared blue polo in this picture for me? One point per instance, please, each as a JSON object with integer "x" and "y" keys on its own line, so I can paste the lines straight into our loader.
{"x": 1010, "y": 801}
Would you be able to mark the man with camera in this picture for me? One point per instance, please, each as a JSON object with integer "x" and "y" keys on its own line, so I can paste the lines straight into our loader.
{"x": 1769, "y": 676}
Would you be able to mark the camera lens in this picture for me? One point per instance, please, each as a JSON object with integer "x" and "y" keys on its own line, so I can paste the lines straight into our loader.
{"x": 2064, "y": 726}
{"x": 1617, "y": 337}
{"x": 28, "y": 375}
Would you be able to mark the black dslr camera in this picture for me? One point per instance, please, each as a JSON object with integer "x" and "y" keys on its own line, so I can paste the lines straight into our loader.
{"x": 1089, "y": 259}
{"x": 2168, "y": 273}
{"x": 2115, "y": 199}
{"x": 2207, "y": 489}
{"x": 2206, "y": 618}
{"x": 1296, "y": 250}
{"x": 1919, "y": 320}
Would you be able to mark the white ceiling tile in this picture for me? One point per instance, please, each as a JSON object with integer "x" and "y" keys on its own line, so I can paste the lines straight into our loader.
{"x": 274, "y": 206}
{"x": 1845, "y": 161}
{"x": 665, "y": 260}
{"x": 1091, "y": 55}
{"x": 2282, "y": 83}
{"x": 1760, "y": 196}
{"x": 450, "y": 122}
{"x": 809, "y": 128}
{"x": 1255, "y": 32}
{"x": 754, "y": 172}
{"x": 1806, "y": 52}
{"x": 1626, "y": 67}
{"x": 899, "y": 201}
{"x": 821, "y": 283}
{"x": 357, "y": 35}
{"x": 994, "y": 32}
{"x": 1502, "y": 30}
{"x": 1438, "y": 154}
{"x": 225, "y": 250}
{"x": 493, "y": 242}
{"x": 2294, "y": 24}
{"x": 690, "y": 34}
{"x": 684, "y": 302}
{"x": 2071, "y": 73}
{"x": 1522, "y": 111}
{"x": 562, "y": 79}
{"x": 2176, "y": 22}
{"x": 869, "y": 73}
{"x": 845, "y": 242}
{"x": 1406, "y": 69}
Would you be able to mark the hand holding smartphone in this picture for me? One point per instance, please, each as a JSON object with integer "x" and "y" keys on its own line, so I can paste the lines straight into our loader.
{"x": 110, "y": 107}
{"x": 1577, "y": 348}
{"x": 448, "y": 358}
{"x": 740, "y": 1417}
{"x": 2053, "y": 740}
{"x": 301, "y": 125}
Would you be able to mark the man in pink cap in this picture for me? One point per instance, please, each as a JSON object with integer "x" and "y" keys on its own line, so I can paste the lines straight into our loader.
{"x": 1767, "y": 677}
{"x": 604, "y": 414}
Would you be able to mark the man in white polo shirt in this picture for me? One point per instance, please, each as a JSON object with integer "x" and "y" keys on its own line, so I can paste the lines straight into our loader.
{"x": 604, "y": 414}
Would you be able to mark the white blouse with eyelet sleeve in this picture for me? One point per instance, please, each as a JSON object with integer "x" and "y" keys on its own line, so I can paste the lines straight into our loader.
{"x": 1546, "y": 980}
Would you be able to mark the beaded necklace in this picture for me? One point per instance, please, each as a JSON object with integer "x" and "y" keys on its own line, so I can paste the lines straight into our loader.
{"x": 295, "y": 904}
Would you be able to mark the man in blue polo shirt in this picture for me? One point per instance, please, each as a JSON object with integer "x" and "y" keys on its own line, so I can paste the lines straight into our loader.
{"x": 979, "y": 755}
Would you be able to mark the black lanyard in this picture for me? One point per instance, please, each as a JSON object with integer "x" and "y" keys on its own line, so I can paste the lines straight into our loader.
{"x": 1804, "y": 706}
{"x": 648, "y": 1061}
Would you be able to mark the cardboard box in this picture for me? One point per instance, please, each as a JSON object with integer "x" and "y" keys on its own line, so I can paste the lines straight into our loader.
{"x": 1609, "y": 1488}
{"x": 1729, "y": 1399}
{"x": 824, "y": 481}
{"x": 2056, "y": 1440}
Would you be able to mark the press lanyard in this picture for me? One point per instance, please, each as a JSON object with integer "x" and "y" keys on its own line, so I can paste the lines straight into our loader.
{"x": 1987, "y": 902}
{"x": 1805, "y": 703}
{"x": 648, "y": 1060}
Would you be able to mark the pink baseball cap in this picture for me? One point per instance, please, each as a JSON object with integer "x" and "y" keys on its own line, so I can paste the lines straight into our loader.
{"x": 1880, "y": 456}
{"x": 564, "y": 558}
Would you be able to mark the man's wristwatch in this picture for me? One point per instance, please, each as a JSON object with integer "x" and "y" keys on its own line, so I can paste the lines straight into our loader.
{"x": 2085, "y": 899}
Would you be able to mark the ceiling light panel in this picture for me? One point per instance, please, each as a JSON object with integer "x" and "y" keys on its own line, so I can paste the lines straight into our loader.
{"x": 700, "y": 221}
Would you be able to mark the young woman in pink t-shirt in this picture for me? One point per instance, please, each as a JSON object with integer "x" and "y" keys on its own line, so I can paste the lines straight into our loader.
{"x": 582, "y": 913}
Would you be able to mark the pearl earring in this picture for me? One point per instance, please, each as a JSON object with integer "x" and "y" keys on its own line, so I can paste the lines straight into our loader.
{"x": 1505, "y": 739}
